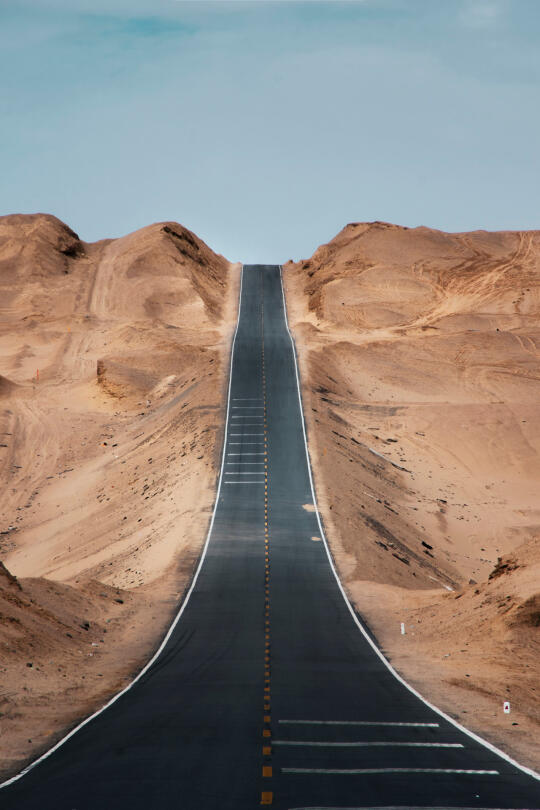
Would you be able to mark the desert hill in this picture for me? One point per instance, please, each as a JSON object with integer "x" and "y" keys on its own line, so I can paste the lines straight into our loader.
{"x": 113, "y": 365}
{"x": 420, "y": 358}
{"x": 420, "y": 367}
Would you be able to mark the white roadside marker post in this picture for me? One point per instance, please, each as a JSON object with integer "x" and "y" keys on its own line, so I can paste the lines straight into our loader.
{"x": 402, "y": 628}
{"x": 506, "y": 707}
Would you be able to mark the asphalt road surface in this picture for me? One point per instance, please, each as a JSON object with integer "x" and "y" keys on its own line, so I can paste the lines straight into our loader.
{"x": 267, "y": 692}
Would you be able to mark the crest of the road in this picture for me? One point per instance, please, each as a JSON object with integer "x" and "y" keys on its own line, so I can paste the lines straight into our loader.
{"x": 267, "y": 689}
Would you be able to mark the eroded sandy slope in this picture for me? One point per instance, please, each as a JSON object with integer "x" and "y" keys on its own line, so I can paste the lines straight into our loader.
{"x": 114, "y": 360}
{"x": 420, "y": 359}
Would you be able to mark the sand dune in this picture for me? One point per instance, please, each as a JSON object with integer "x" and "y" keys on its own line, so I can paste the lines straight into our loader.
{"x": 113, "y": 364}
{"x": 420, "y": 363}
{"x": 420, "y": 354}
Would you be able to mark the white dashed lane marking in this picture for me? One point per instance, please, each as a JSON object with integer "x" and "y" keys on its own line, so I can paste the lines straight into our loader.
{"x": 244, "y": 482}
{"x": 353, "y": 771}
{"x": 356, "y": 723}
{"x": 400, "y": 807}
{"x": 368, "y": 744}
{"x": 248, "y": 473}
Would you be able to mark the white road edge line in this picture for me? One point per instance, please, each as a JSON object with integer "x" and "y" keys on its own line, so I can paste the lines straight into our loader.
{"x": 353, "y": 771}
{"x": 171, "y": 629}
{"x": 471, "y": 734}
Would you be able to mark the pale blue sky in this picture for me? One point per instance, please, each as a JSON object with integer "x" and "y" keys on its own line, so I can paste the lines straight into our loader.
{"x": 267, "y": 126}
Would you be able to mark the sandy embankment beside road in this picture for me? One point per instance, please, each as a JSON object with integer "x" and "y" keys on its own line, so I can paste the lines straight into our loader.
{"x": 420, "y": 361}
{"x": 108, "y": 456}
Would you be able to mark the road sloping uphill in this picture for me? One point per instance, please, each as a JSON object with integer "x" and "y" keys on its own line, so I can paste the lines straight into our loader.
{"x": 267, "y": 690}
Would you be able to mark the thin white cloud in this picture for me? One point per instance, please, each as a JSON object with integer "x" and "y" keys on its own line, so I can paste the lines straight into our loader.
{"x": 481, "y": 13}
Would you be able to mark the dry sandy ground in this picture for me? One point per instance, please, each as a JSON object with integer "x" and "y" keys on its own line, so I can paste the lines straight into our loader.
{"x": 420, "y": 360}
{"x": 113, "y": 361}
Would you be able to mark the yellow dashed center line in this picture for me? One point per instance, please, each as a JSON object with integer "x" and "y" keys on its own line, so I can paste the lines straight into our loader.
{"x": 267, "y": 796}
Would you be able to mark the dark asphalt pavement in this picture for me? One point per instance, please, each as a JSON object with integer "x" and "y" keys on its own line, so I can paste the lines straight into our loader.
{"x": 267, "y": 692}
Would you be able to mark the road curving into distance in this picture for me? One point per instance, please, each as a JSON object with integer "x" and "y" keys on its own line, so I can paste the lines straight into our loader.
{"x": 267, "y": 690}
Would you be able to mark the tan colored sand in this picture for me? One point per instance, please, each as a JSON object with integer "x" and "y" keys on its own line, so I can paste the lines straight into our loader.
{"x": 108, "y": 457}
{"x": 420, "y": 360}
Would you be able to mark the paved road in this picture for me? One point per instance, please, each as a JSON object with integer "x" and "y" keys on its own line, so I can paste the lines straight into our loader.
{"x": 267, "y": 692}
